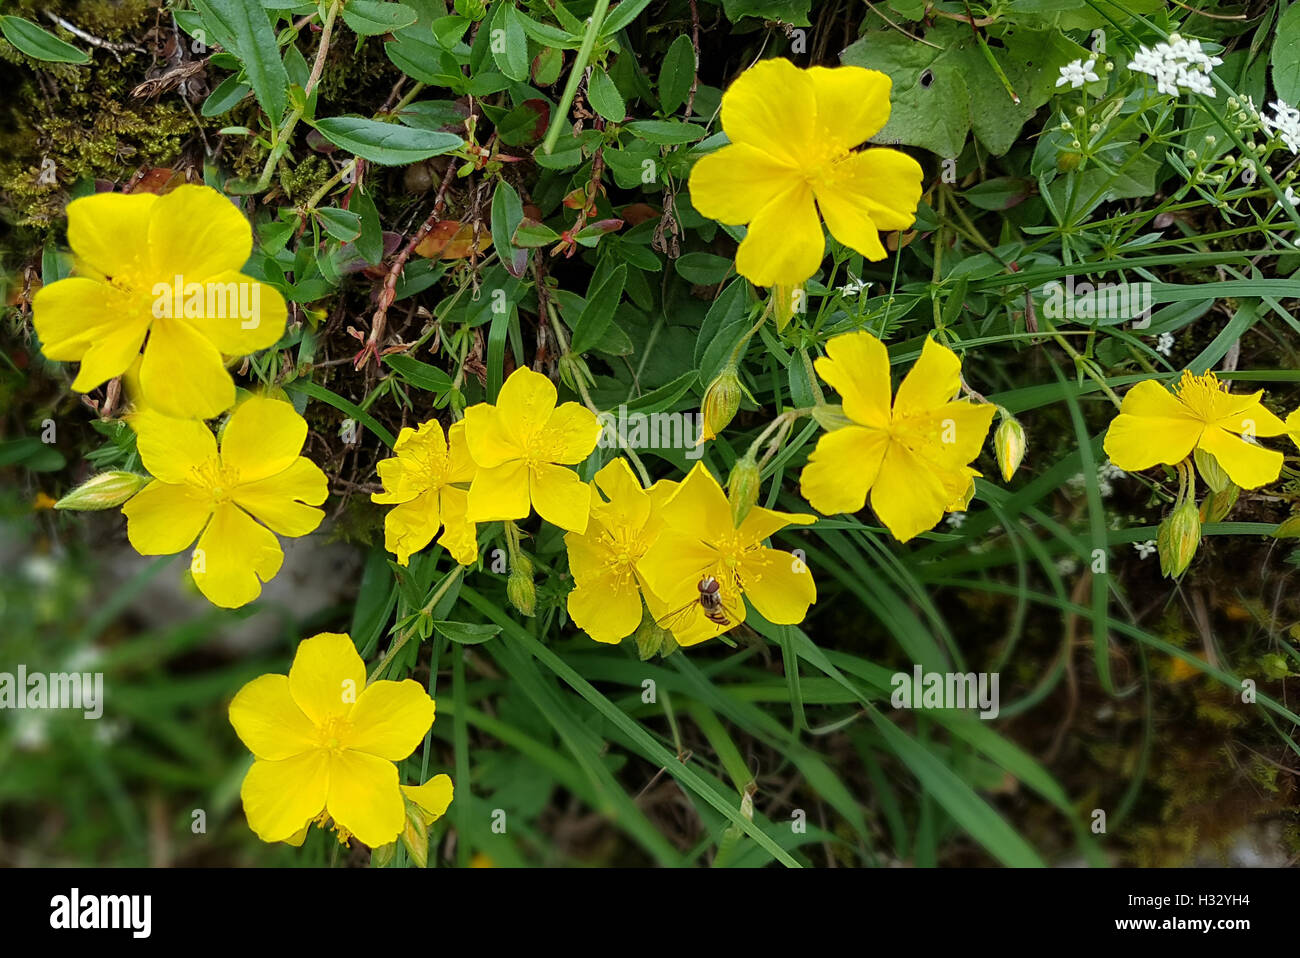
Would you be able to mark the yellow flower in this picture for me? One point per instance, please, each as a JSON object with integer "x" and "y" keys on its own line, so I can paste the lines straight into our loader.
{"x": 518, "y": 445}
{"x": 324, "y": 744}
{"x": 256, "y": 477}
{"x": 914, "y": 457}
{"x": 699, "y": 539}
{"x": 792, "y": 135}
{"x": 421, "y": 479}
{"x": 166, "y": 267}
{"x": 1157, "y": 426}
{"x": 606, "y": 600}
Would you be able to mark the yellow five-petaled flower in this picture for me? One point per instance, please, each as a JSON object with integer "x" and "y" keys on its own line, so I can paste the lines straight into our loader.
{"x": 165, "y": 267}
{"x": 428, "y": 479}
{"x": 233, "y": 499}
{"x": 1157, "y": 426}
{"x": 324, "y": 745}
{"x": 793, "y": 133}
{"x": 521, "y": 447}
{"x": 913, "y": 457}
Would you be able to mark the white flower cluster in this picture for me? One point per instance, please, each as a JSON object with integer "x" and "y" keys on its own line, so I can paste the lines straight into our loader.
{"x": 1165, "y": 343}
{"x": 1179, "y": 65}
{"x": 1284, "y": 123}
{"x": 1107, "y": 473}
{"x": 1077, "y": 73}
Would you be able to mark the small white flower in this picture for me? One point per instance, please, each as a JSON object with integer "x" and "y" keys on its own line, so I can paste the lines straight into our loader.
{"x": 1177, "y": 66}
{"x": 956, "y": 519}
{"x": 1284, "y": 124}
{"x": 853, "y": 287}
{"x": 1145, "y": 549}
{"x": 1077, "y": 73}
{"x": 1165, "y": 344}
{"x": 1291, "y": 197}
{"x": 1067, "y": 565}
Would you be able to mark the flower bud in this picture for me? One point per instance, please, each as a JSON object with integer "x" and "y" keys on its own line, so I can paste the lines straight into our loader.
{"x": 415, "y": 835}
{"x": 742, "y": 488}
{"x": 519, "y": 587}
{"x": 104, "y": 491}
{"x": 1069, "y": 160}
{"x": 721, "y": 401}
{"x": 651, "y": 638}
{"x": 1219, "y": 503}
{"x": 1179, "y": 537}
{"x": 1009, "y": 444}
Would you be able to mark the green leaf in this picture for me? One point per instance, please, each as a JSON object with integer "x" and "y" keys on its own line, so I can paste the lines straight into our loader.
{"x": 666, "y": 132}
{"x": 510, "y": 42}
{"x": 507, "y": 214}
{"x": 39, "y": 43}
{"x": 387, "y": 144}
{"x": 677, "y": 74}
{"x": 604, "y": 96}
{"x": 466, "y": 633}
{"x": 794, "y": 12}
{"x": 703, "y": 269}
{"x": 418, "y": 374}
{"x": 598, "y": 312}
{"x": 530, "y": 234}
{"x": 369, "y": 18}
{"x": 621, "y": 15}
{"x": 225, "y": 97}
{"x": 245, "y": 30}
{"x": 343, "y": 225}
{"x": 1285, "y": 58}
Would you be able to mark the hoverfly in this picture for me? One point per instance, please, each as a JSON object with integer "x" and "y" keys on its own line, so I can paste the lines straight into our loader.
{"x": 710, "y": 602}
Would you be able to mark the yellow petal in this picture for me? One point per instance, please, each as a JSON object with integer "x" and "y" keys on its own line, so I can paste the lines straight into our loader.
{"x": 389, "y": 719}
{"x": 842, "y": 468}
{"x": 607, "y": 610}
{"x": 909, "y": 496}
{"x": 674, "y": 565}
{"x": 772, "y": 106}
{"x": 233, "y": 554}
{"x": 524, "y": 405}
{"x": 699, "y": 507}
{"x": 196, "y": 233}
{"x": 778, "y": 584}
{"x": 249, "y": 315}
{"x": 762, "y": 523}
{"x": 410, "y": 526}
{"x": 950, "y": 436}
{"x": 867, "y": 193}
{"x": 173, "y": 449}
{"x": 1251, "y": 419}
{"x": 1293, "y": 426}
{"x": 111, "y": 354}
{"x": 281, "y": 797}
{"x": 278, "y": 501}
{"x": 570, "y": 433}
{"x": 560, "y": 497}
{"x": 109, "y": 232}
{"x": 734, "y": 183}
{"x": 490, "y": 444}
{"x": 364, "y": 797}
{"x": 784, "y": 245}
{"x": 420, "y": 456}
{"x": 433, "y": 797}
{"x": 459, "y": 535}
{"x": 461, "y": 464}
{"x": 1247, "y": 464}
{"x": 499, "y": 493}
{"x": 852, "y": 103}
{"x": 269, "y": 722}
{"x": 856, "y": 365}
{"x": 929, "y": 384}
{"x": 72, "y": 315}
{"x": 327, "y": 676}
{"x": 162, "y": 519}
{"x": 262, "y": 438}
{"x": 182, "y": 374}
{"x": 1152, "y": 427}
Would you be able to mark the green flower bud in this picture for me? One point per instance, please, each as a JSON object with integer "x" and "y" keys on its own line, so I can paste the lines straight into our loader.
{"x": 721, "y": 401}
{"x": 415, "y": 836}
{"x": 104, "y": 491}
{"x": 742, "y": 488}
{"x": 1068, "y": 160}
{"x": 650, "y": 637}
{"x": 1179, "y": 538}
{"x": 519, "y": 587}
{"x": 1009, "y": 445}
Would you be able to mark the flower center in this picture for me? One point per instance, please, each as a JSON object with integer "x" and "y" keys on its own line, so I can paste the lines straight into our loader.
{"x": 332, "y": 733}
{"x": 217, "y": 478}
{"x": 1198, "y": 393}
